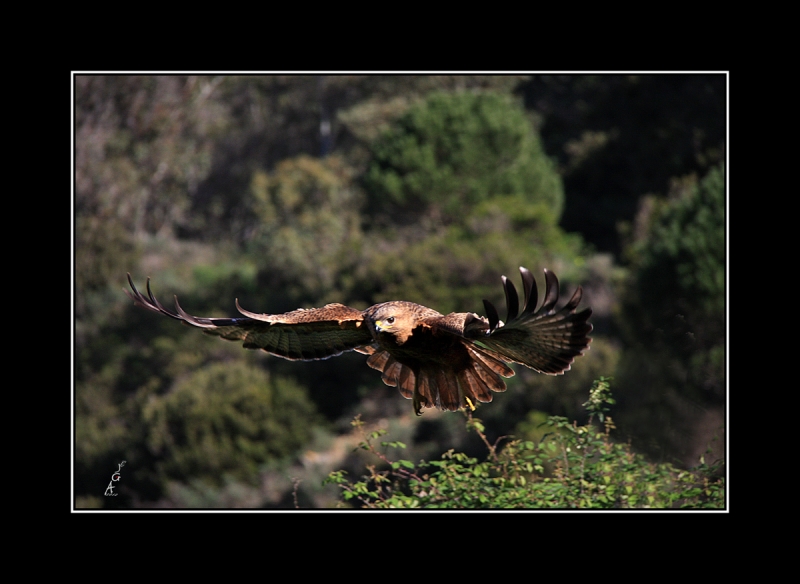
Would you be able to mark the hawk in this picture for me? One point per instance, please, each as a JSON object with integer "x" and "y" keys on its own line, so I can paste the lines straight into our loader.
{"x": 445, "y": 361}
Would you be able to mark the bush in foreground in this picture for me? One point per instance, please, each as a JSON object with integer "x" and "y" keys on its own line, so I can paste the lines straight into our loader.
{"x": 571, "y": 467}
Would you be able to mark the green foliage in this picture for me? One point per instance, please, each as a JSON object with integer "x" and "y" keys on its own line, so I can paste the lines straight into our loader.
{"x": 529, "y": 392}
{"x": 674, "y": 311}
{"x": 315, "y": 236}
{"x": 138, "y": 377}
{"x": 457, "y": 188}
{"x": 226, "y": 419}
{"x": 571, "y": 467}
{"x": 620, "y": 136}
{"x": 106, "y": 248}
{"x": 143, "y": 143}
{"x": 452, "y": 151}
{"x": 211, "y": 186}
{"x": 682, "y": 259}
{"x": 309, "y": 232}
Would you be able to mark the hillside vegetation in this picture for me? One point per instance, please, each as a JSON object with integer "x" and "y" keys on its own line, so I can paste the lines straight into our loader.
{"x": 297, "y": 191}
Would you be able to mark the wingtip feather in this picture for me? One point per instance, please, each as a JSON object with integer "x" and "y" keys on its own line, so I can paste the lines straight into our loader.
{"x": 512, "y": 299}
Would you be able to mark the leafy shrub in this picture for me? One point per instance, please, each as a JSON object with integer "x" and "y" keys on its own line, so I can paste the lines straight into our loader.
{"x": 571, "y": 467}
{"x": 227, "y": 418}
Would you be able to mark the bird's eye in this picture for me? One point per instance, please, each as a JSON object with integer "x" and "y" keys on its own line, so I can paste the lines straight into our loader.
{"x": 390, "y": 320}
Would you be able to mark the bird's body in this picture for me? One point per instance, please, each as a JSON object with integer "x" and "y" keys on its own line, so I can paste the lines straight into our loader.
{"x": 444, "y": 361}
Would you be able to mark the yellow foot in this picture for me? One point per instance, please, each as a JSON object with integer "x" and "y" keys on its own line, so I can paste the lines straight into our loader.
{"x": 469, "y": 403}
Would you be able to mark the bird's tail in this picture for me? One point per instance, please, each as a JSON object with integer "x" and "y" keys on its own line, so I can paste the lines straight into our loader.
{"x": 434, "y": 386}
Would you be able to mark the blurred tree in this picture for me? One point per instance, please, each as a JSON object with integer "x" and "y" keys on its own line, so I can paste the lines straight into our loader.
{"x": 617, "y": 137}
{"x": 143, "y": 145}
{"x": 673, "y": 314}
{"x": 451, "y": 152}
{"x": 226, "y": 418}
{"x": 270, "y": 118}
{"x": 309, "y": 231}
{"x": 458, "y": 188}
{"x": 174, "y": 155}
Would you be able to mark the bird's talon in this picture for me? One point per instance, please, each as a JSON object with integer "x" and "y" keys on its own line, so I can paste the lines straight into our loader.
{"x": 469, "y": 403}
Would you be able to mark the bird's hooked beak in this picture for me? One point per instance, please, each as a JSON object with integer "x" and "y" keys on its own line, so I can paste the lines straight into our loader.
{"x": 384, "y": 325}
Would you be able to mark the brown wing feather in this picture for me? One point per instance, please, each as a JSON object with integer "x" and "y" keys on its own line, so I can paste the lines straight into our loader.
{"x": 316, "y": 333}
{"x": 440, "y": 388}
{"x": 473, "y": 387}
{"x": 547, "y": 340}
{"x": 444, "y": 389}
{"x": 462, "y": 324}
{"x": 405, "y": 382}
{"x": 489, "y": 369}
{"x": 394, "y": 373}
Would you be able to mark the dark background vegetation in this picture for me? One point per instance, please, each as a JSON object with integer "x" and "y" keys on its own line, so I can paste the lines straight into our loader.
{"x": 296, "y": 191}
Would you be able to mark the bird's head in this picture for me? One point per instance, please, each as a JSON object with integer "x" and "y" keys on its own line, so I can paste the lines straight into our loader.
{"x": 392, "y": 320}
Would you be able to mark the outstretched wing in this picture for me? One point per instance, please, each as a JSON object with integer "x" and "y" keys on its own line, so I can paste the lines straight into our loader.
{"x": 316, "y": 333}
{"x": 547, "y": 340}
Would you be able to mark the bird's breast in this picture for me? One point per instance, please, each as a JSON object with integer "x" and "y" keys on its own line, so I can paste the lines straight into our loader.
{"x": 424, "y": 348}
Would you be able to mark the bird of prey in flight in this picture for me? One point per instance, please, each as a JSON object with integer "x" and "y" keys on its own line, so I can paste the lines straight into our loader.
{"x": 445, "y": 361}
